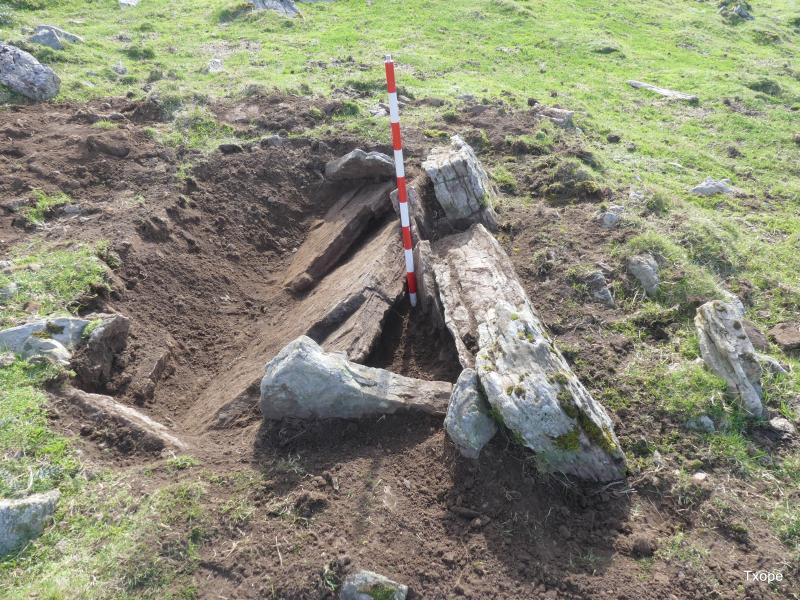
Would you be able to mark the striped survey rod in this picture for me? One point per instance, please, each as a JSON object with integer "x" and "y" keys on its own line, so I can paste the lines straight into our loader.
{"x": 402, "y": 194}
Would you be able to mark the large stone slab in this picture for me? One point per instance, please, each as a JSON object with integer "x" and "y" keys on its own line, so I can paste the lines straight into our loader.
{"x": 24, "y": 519}
{"x": 22, "y": 73}
{"x": 527, "y": 382}
{"x": 341, "y": 228}
{"x": 728, "y": 352}
{"x": 303, "y": 381}
{"x": 461, "y": 184}
{"x": 360, "y": 165}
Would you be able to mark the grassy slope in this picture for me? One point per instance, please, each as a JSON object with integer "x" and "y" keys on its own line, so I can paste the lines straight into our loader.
{"x": 542, "y": 49}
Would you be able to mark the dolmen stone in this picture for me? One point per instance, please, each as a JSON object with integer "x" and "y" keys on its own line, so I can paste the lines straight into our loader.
{"x": 23, "y": 74}
{"x": 461, "y": 185}
{"x": 360, "y": 165}
{"x": 22, "y": 520}
{"x": 305, "y": 382}
{"x": 729, "y": 353}
{"x": 468, "y": 422}
{"x": 529, "y": 386}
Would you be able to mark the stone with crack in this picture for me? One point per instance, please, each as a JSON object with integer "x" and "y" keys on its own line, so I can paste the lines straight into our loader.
{"x": 461, "y": 185}
{"x": 303, "y": 381}
{"x": 728, "y": 352}
{"x": 24, "y": 519}
{"x": 527, "y": 382}
{"x": 468, "y": 422}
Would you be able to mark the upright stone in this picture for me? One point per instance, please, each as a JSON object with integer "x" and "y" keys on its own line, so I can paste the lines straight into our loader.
{"x": 468, "y": 422}
{"x": 24, "y": 519}
{"x": 461, "y": 185}
{"x": 729, "y": 353}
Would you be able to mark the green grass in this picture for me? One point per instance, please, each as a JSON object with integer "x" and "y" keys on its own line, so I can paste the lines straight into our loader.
{"x": 45, "y": 203}
{"x": 50, "y": 281}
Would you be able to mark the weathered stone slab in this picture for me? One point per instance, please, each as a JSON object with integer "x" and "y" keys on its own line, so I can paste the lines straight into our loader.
{"x": 645, "y": 269}
{"x": 148, "y": 435}
{"x": 728, "y": 352}
{"x": 360, "y": 165}
{"x": 25, "y": 75}
{"x": 339, "y": 230}
{"x": 527, "y": 382}
{"x": 468, "y": 422}
{"x": 24, "y": 519}
{"x": 303, "y": 381}
{"x": 461, "y": 184}
{"x": 667, "y": 93}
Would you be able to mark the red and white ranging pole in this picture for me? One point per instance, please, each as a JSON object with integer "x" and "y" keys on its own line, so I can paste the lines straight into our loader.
{"x": 402, "y": 194}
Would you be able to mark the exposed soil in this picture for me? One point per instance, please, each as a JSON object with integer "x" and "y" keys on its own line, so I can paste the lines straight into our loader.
{"x": 203, "y": 259}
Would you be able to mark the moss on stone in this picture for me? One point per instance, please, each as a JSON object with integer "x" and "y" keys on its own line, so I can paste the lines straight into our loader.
{"x": 569, "y": 441}
{"x": 599, "y": 435}
{"x": 567, "y": 403}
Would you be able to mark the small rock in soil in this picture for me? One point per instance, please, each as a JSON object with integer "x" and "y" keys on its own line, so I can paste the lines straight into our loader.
{"x": 701, "y": 423}
{"x": 230, "y": 148}
{"x": 24, "y": 519}
{"x": 53, "y": 37}
{"x": 598, "y": 288}
{"x": 782, "y": 426}
{"x": 645, "y": 269}
{"x": 613, "y": 138}
{"x": 643, "y": 547}
{"x": 610, "y": 218}
{"x": 284, "y": 7}
{"x": 786, "y": 335}
{"x": 360, "y": 165}
{"x": 363, "y": 585}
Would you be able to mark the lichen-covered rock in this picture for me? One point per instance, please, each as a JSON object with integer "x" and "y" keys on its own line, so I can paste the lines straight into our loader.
{"x": 728, "y": 352}
{"x": 303, "y": 381}
{"x": 645, "y": 269}
{"x": 461, "y": 185}
{"x": 527, "y": 382}
{"x": 468, "y": 422}
{"x": 360, "y": 165}
{"x": 366, "y": 585}
{"x": 24, "y": 519}
{"x": 22, "y": 73}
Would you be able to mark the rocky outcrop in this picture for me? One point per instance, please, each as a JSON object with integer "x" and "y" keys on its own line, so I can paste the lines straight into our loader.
{"x": 527, "y": 382}
{"x": 303, "y": 381}
{"x": 360, "y": 165}
{"x": 364, "y": 585}
{"x": 24, "y": 519}
{"x": 23, "y": 74}
{"x": 728, "y": 352}
{"x": 461, "y": 184}
{"x": 645, "y": 269}
{"x": 468, "y": 422}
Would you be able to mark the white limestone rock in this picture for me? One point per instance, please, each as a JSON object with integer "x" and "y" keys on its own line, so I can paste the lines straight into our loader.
{"x": 468, "y": 422}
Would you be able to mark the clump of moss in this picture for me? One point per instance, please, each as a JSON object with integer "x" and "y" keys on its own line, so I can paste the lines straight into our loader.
{"x": 568, "y": 441}
{"x": 567, "y": 403}
{"x": 504, "y": 179}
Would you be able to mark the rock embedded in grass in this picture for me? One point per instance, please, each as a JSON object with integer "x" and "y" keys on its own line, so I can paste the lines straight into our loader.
{"x": 786, "y": 335}
{"x": 461, "y": 185}
{"x": 303, "y": 381}
{"x": 53, "y": 37}
{"x": 468, "y": 422}
{"x": 598, "y": 288}
{"x": 284, "y": 7}
{"x": 644, "y": 269}
{"x": 23, "y": 74}
{"x": 24, "y": 519}
{"x": 729, "y": 353}
{"x": 711, "y": 187}
{"x": 667, "y": 93}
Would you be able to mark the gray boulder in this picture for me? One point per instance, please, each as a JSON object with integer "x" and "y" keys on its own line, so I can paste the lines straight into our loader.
{"x": 645, "y": 269}
{"x": 24, "y": 519}
{"x": 366, "y": 585}
{"x": 468, "y": 422}
{"x": 527, "y": 382}
{"x": 53, "y": 37}
{"x": 598, "y": 288}
{"x": 360, "y": 165}
{"x": 728, "y": 352}
{"x": 67, "y": 331}
{"x": 461, "y": 185}
{"x": 23, "y": 74}
{"x": 303, "y": 381}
